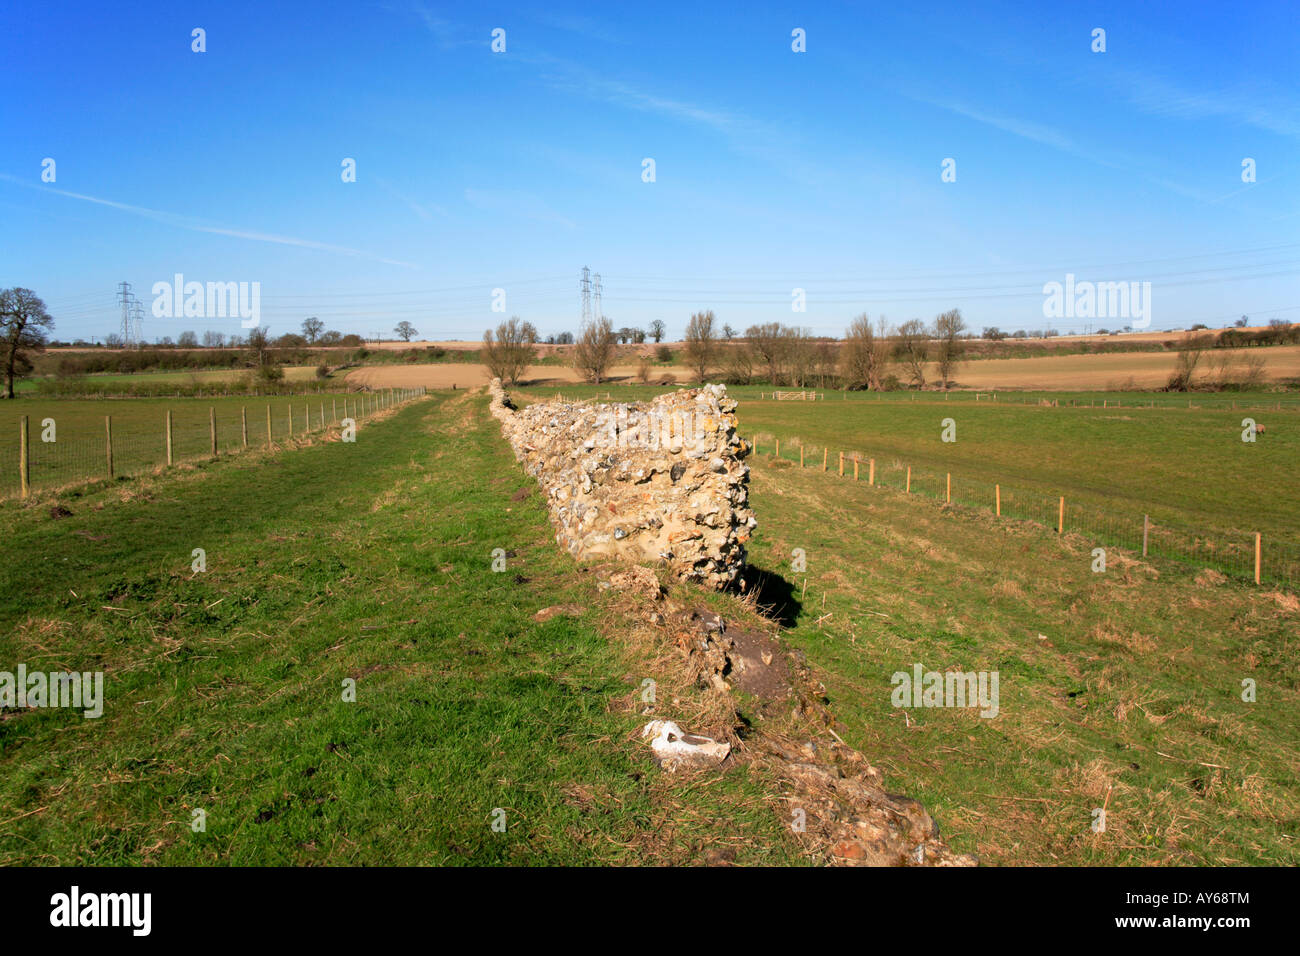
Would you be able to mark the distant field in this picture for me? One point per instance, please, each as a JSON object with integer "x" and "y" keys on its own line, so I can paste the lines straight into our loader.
{"x": 294, "y": 373}
{"x": 1107, "y": 371}
{"x": 468, "y": 375}
{"x": 1102, "y": 372}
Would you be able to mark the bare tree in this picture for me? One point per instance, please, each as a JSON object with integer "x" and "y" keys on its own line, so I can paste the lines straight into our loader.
{"x": 859, "y": 355}
{"x": 769, "y": 343}
{"x": 24, "y": 322}
{"x": 884, "y": 348}
{"x": 701, "y": 343}
{"x": 947, "y": 327}
{"x": 800, "y": 355}
{"x": 594, "y": 351}
{"x": 1190, "y": 352}
{"x": 312, "y": 327}
{"x": 914, "y": 349}
{"x": 657, "y": 330}
{"x": 259, "y": 340}
{"x": 827, "y": 360}
{"x": 738, "y": 363}
{"x": 405, "y": 331}
{"x": 511, "y": 351}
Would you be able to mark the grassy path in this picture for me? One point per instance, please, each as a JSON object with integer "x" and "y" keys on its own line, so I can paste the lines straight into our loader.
{"x": 370, "y": 561}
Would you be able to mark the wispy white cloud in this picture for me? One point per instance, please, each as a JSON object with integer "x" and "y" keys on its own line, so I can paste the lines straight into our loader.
{"x": 1055, "y": 139}
{"x": 1025, "y": 129}
{"x": 197, "y": 225}
{"x": 1036, "y": 132}
{"x": 744, "y": 134}
{"x": 1256, "y": 104}
{"x": 570, "y": 77}
{"x": 515, "y": 203}
{"x": 447, "y": 35}
{"x": 422, "y": 210}
{"x": 776, "y": 146}
{"x": 584, "y": 26}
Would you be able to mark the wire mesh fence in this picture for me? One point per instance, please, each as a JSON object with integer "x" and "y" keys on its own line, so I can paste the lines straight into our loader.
{"x": 126, "y": 443}
{"x": 1238, "y": 554}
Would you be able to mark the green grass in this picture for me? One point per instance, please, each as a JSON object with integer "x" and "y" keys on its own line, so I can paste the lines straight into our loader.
{"x": 1186, "y": 467}
{"x": 369, "y": 561}
{"x": 1135, "y": 685}
{"x": 139, "y": 433}
{"x": 373, "y": 562}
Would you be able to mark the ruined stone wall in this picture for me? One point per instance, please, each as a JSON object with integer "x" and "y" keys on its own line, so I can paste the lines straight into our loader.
{"x": 659, "y": 481}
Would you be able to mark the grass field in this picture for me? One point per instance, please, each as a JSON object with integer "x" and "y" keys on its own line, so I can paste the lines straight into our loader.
{"x": 139, "y": 431}
{"x": 1120, "y": 689}
{"x": 1127, "y": 681}
{"x": 369, "y": 561}
{"x": 1184, "y": 466}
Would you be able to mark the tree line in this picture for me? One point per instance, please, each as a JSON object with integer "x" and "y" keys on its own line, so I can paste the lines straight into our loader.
{"x": 872, "y": 355}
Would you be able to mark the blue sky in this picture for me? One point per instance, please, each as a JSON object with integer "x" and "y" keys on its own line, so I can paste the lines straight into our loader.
{"x": 775, "y": 170}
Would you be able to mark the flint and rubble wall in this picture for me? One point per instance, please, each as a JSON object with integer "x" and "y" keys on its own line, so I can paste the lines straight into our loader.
{"x": 658, "y": 481}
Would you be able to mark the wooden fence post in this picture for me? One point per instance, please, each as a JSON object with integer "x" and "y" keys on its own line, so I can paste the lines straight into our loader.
{"x": 1146, "y": 531}
{"x": 778, "y": 448}
{"x": 334, "y": 404}
{"x": 169, "y": 437}
{"x": 801, "y": 456}
{"x": 825, "y": 452}
{"x": 841, "y": 464}
{"x": 909, "y": 479}
{"x": 872, "y": 473}
{"x": 290, "y": 419}
{"x": 855, "y": 467}
{"x": 108, "y": 442}
{"x": 243, "y": 426}
{"x": 1258, "y": 556}
{"x": 270, "y": 443}
{"x": 949, "y": 487}
{"x": 322, "y": 414}
{"x": 997, "y": 491}
{"x": 212, "y": 427}
{"x": 24, "y": 459}
{"x": 1060, "y": 521}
